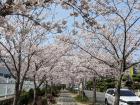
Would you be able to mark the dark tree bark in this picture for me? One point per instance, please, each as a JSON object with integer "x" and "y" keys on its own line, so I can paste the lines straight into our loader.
{"x": 35, "y": 95}
{"x": 17, "y": 93}
{"x": 46, "y": 89}
{"x": 94, "y": 90}
{"x": 117, "y": 94}
{"x": 82, "y": 92}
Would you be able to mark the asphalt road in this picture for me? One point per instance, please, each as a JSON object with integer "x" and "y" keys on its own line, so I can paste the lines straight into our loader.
{"x": 100, "y": 96}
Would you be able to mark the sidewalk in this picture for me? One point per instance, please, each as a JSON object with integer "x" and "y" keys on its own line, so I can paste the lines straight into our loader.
{"x": 65, "y": 99}
{"x": 78, "y": 103}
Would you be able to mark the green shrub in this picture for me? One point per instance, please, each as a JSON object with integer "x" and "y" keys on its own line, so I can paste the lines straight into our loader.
{"x": 125, "y": 78}
{"x": 79, "y": 98}
{"x": 38, "y": 92}
{"x": 43, "y": 91}
{"x": 6, "y": 102}
{"x": 44, "y": 101}
{"x": 110, "y": 85}
{"x": 24, "y": 98}
{"x": 89, "y": 85}
{"x": 136, "y": 79}
{"x": 108, "y": 80}
{"x": 31, "y": 93}
{"x": 129, "y": 84}
{"x": 102, "y": 84}
{"x": 102, "y": 88}
{"x": 136, "y": 86}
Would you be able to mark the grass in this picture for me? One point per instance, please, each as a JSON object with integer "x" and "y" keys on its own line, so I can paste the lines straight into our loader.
{"x": 78, "y": 98}
{"x": 84, "y": 101}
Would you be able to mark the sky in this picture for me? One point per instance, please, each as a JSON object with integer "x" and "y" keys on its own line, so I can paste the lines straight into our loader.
{"x": 58, "y": 14}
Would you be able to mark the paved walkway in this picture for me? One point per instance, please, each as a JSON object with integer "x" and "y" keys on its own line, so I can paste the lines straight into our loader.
{"x": 65, "y": 99}
{"x": 100, "y": 96}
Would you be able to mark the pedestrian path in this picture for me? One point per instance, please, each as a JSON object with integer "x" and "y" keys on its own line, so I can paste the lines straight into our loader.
{"x": 65, "y": 99}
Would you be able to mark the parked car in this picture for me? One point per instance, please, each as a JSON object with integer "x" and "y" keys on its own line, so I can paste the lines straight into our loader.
{"x": 127, "y": 97}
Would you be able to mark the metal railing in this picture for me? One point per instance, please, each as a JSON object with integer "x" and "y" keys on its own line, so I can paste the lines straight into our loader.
{"x": 7, "y": 88}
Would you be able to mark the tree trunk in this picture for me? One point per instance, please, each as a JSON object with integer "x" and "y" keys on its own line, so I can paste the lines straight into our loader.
{"x": 35, "y": 97}
{"x": 46, "y": 89}
{"x": 82, "y": 92}
{"x": 51, "y": 87}
{"x": 94, "y": 91}
{"x": 17, "y": 94}
{"x": 46, "y": 85}
{"x": 117, "y": 95}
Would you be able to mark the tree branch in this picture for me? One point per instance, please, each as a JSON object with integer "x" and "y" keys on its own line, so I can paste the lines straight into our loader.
{"x": 14, "y": 61}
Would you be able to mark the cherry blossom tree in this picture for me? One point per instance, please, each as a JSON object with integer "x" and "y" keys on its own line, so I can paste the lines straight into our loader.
{"x": 93, "y": 71}
{"x": 89, "y": 68}
{"x": 112, "y": 38}
{"x": 109, "y": 33}
{"x": 44, "y": 65}
{"x": 18, "y": 45}
{"x": 23, "y": 8}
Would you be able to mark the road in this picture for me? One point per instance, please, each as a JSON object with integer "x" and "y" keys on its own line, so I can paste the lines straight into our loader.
{"x": 65, "y": 99}
{"x": 100, "y": 96}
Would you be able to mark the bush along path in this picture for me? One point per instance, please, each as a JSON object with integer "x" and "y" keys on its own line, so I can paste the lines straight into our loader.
{"x": 44, "y": 96}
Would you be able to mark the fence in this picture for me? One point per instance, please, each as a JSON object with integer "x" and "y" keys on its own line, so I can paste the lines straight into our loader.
{"x": 7, "y": 88}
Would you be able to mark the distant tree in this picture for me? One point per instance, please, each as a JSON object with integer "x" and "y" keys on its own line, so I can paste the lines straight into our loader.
{"x": 43, "y": 65}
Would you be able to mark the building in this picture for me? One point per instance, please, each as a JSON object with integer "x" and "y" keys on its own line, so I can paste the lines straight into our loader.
{"x": 4, "y": 72}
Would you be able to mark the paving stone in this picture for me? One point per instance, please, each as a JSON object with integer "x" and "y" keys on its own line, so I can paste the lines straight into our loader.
{"x": 65, "y": 99}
